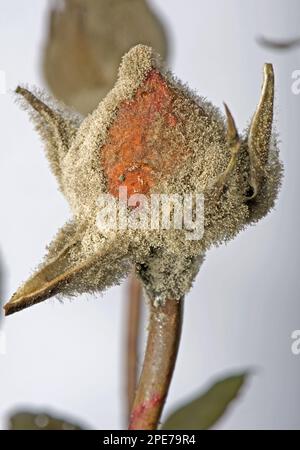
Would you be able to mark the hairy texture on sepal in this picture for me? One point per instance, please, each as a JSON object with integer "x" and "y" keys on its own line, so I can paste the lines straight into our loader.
{"x": 260, "y": 133}
{"x": 266, "y": 170}
{"x": 57, "y": 126}
{"x": 73, "y": 265}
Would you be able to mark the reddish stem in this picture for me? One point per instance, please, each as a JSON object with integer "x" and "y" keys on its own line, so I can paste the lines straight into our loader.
{"x": 132, "y": 337}
{"x": 160, "y": 357}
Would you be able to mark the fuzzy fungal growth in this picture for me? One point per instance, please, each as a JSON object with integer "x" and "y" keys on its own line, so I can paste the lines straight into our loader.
{"x": 149, "y": 136}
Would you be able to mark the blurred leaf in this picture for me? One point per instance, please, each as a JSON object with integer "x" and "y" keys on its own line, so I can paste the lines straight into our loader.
{"x": 26, "y": 420}
{"x": 86, "y": 41}
{"x": 204, "y": 411}
{"x": 276, "y": 44}
{"x": 1, "y": 290}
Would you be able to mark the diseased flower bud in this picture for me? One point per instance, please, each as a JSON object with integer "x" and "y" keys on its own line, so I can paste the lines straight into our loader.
{"x": 85, "y": 42}
{"x": 150, "y": 136}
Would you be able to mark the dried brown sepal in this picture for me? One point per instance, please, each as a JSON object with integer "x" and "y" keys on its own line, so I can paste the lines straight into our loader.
{"x": 234, "y": 145}
{"x": 260, "y": 133}
{"x": 68, "y": 268}
{"x": 56, "y": 126}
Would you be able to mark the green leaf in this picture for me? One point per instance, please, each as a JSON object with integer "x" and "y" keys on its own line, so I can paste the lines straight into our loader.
{"x": 30, "y": 420}
{"x": 206, "y": 409}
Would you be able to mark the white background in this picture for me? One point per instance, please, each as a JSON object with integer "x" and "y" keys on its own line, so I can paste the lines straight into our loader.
{"x": 245, "y": 301}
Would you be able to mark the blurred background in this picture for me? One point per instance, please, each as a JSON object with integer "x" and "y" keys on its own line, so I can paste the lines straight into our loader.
{"x": 245, "y": 302}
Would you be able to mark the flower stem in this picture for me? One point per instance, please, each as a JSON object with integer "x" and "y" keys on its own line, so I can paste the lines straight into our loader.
{"x": 132, "y": 337}
{"x": 160, "y": 357}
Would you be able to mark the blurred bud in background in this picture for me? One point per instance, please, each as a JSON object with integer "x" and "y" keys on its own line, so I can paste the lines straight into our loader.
{"x": 85, "y": 42}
